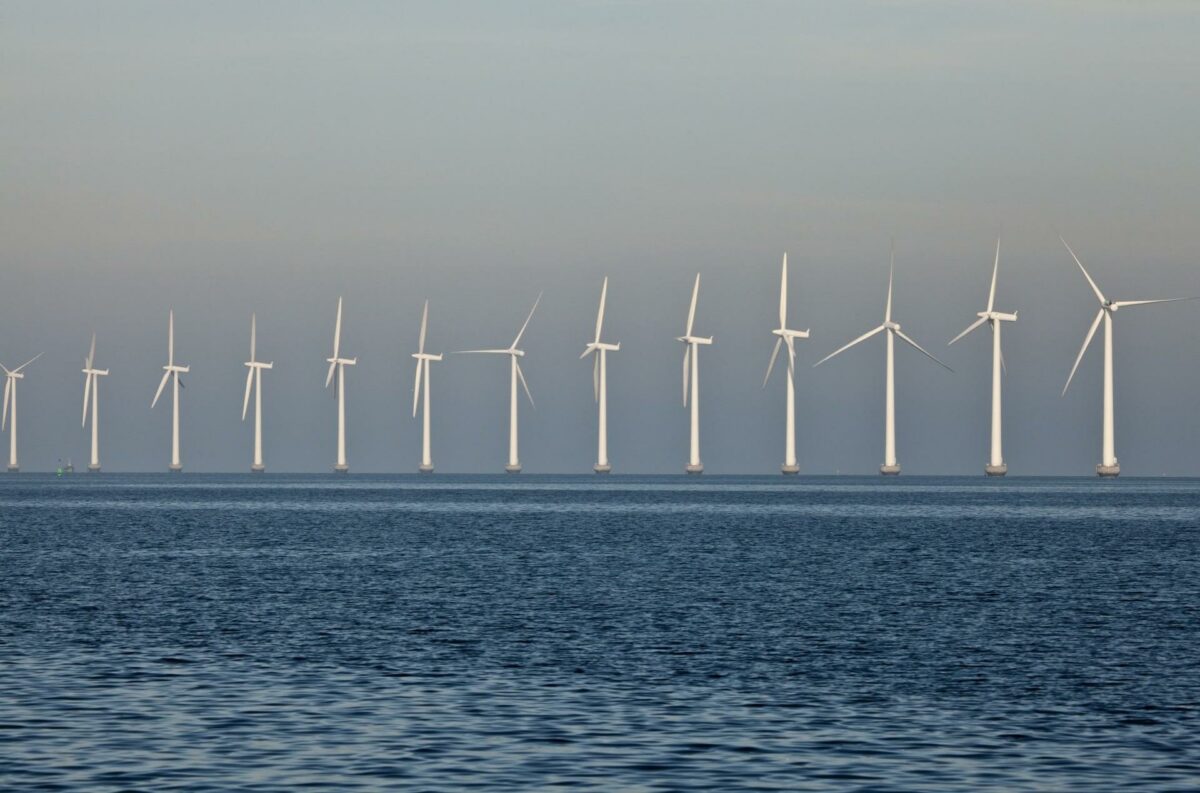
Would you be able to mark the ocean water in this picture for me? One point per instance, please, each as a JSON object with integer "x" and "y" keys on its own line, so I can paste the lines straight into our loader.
{"x": 659, "y": 633}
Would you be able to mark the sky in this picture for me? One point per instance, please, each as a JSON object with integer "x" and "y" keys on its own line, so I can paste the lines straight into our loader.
{"x": 228, "y": 157}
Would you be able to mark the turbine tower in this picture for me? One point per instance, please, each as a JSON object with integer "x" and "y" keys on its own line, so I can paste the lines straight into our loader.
{"x": 788, "y": 337}
{"x": 691, "y": 361}
{"x": 996, "y": 465}
{"x": 172, "y": 372}
{"x": 338, "y": 364}
{"x": 600, "y": 350}
{"x": 11, "y": 376}
{"x": 1108, "y": 456}
{"x": 890, "y": 466}
{"x": 91, "y": 390}
{"x": 254, "y": 382}
{"x": 514, "y": 462}
{"x": 423, "y": 361}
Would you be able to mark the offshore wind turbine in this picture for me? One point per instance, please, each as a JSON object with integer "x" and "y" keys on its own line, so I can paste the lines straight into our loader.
{"x": 338, "y": 364}
{"x": 691, "y": 365}
{"x": 890, "y": 466}
{"x": 1108, "y": 465}
{"x": 423, "y": 361}
{"x": 254, "y": 382}
{"x": 11, "y": 376}
{"x": 514, "y": 462}
{"x": 600, "y": 351}
{"x": 91, "y": 390}
{"x": 996, "y": 465}
{"x": 172, "y": 372}
{"x": 788, "y": 337}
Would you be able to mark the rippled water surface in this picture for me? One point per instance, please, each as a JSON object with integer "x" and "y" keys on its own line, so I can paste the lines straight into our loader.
{"x": 217, "y": 633}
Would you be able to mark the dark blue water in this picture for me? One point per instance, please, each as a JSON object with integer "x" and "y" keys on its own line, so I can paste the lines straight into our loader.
{"x": 217, "y": 633}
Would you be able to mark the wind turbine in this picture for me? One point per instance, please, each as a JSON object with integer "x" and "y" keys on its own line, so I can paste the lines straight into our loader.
{"x": 787, "y": 337}
{"x": 890, "y": 466}
{"x": 254, "y": 382}
{"x": 691, "y": 358}
{"x": 339, "y": 364}
{"x": 172, "y": 372}
{"x": 1108, "y": 456}
{"x": 514, "y": 463}
{"x": 423, "y": 360}
{"x": 600, "y": 383}
{"x": 11, "y": 376}
{"x": 91, "y": 389}
{"x": 996, "y": 465}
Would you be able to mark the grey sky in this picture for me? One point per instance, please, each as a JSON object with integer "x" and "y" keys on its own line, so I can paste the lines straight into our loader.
{"x": 224, "y": 157}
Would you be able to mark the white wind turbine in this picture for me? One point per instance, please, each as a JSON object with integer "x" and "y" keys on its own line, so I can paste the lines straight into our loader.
{"x": 514, "y": 463}
{"x": 600, "y": 350}
{"x": 890, "y": 466}
{"x": 691, "y": 363}
{"x": 172, "y": 372}
{"x": 91, "y": 390}
{"x": 339, "y": 364}
{"x": 423, "y": 361}
{"x": 996, "y": 465}
{"x": 11, "y": 376}
{"x": 254, "y": 382}
{"x": 1108, "y": 457}
{"x": 788, "y": 337}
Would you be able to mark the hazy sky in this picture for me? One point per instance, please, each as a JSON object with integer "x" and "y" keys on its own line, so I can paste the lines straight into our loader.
{"x": 227, "y": 157}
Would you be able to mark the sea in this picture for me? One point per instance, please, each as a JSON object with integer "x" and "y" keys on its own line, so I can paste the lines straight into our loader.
{"x": 278, "y": 633}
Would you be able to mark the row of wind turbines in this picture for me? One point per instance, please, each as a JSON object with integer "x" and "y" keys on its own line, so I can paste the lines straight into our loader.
{"x": 599, "y": 349}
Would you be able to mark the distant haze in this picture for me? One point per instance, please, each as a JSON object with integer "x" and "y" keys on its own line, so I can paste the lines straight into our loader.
{"x": 220, "y": 158}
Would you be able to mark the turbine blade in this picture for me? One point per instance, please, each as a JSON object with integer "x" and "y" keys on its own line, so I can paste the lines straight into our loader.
{"x": 842, "y": 349}
{"x": 7, "y": 393}
{"x": 521, "y": 377}
{"x": 596, "y": 378}
{"x": 424, "y": 325}
{"x": 995, "y": 271}
{"x": 692, "y": 310}
{"x": 1124, "y": 303}
{"x": 31, "y": 360}
{"x": 600, "y": 313}
{"x": 92, "y": 352}
{"x": 771, "y": 363}
{"x": 1096, "y": 289}
{"x": 417, "y": 385}
{"x": 922, "y": 350}
{"x": 329, "y": 377}
{"x": 337, "y": 330}
{"x": 783, "y": 296}
{"x": 171, "y": 337}
{"x": 1086, "y": 341}
{"x": 521, "y": 333}
{"x": 253, "y": 335}
{"x": 87, "y": 393}
{"x": 791, "y": 358}
{"x": 161, "y": 385}
{"x": 687, "y": 352}
{"x": 887, "y": 312}
{"x": 249, "y": 385}
{"x": 970, "y": 328}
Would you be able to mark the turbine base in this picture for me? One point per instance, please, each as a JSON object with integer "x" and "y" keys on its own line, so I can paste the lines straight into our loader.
{"x": 698, "y": 468}
{"x": 890, "y": 470}
{"x": 602, "y": 469}
{"x": 12, "y": 469}
{"x": 94, "y": 469}
{"x": 257, "y": 468}
{"x": 1108, "y": 470}
{"x": 789, "y": 470}
{"x": 996, "y": 470}
{"x": 341, "y": 468}
{"x": 512, "y": 468}
{"x": 175, "y": 468}
{"x": 426, "y": 469}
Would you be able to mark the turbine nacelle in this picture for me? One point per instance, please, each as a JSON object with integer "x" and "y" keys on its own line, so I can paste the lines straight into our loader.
{"x": 997, "y": 316}
{"x": 174, "y": 368}
{"x": 785, "y": 333}
{"x": 599, "y": 345}
{"x": 694, "y": 339}
{"x": 260, "y": 365}
{"x": 342, "y": 361}
{"x": 426, "y": 356}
